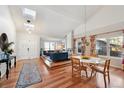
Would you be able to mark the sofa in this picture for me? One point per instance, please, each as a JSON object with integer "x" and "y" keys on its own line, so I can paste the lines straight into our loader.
{"x": 59, "y": 56}
{"x": 56, "y": 56}
{"x": 47, "y": 53}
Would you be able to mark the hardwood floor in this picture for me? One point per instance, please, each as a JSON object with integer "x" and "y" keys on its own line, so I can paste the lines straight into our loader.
{"x": 53, "y": 65}
{"x": 61, "y": 77}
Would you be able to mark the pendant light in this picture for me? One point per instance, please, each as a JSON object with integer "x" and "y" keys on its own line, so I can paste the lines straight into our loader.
{"x": 85, "y": 25}
{"x": 85, "y": 20}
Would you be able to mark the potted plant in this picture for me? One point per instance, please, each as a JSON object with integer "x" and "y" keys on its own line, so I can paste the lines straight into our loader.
{"x": 41, "y": 51}
{"x": 7, "y": 48}
{"x": 87, "y": 43}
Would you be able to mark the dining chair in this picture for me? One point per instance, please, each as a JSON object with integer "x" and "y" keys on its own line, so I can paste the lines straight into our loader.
{"x": 0, "y": 74}
{"x": 123, "y": 67}
{"x": 123, "y": 64}
{"x": 77, "y": 67}
{"x": 73, "y": 54}
{"x": 103, "y": 70}
{"x": 94, "y": 55}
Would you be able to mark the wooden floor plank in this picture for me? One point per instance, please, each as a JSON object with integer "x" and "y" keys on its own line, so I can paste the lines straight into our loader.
{"x": 60, "y": 77}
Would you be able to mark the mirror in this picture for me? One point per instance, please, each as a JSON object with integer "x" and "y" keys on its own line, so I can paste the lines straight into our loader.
{"x": 3, "y": 40}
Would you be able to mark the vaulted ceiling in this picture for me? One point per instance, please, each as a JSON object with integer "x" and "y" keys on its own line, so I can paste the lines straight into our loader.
{"x": 53, "y": 21}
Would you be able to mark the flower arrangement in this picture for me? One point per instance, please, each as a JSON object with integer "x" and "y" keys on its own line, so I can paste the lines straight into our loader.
{"x": 7, "y": 48}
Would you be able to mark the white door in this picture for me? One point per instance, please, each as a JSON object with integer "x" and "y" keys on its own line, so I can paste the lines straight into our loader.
{"x": 28, "y": 47}
{"x": 24, "y": 49}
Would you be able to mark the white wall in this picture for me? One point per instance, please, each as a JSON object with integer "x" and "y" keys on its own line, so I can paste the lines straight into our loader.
{"x": 79, "y": 31}
{"x": 109, "y": 18}
{"x": 26, "y": 40}
{"x": 41, "y": 42}
{"x": 108, "y": 15}
{"x": 6, "y": 23}
{"x": 6, "y": 26}
{"x": 69, "y": 40}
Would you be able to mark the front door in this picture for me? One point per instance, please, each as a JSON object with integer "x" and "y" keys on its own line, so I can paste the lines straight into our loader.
{"x": 28, "y": 46}
{"x": 24, "y": 49}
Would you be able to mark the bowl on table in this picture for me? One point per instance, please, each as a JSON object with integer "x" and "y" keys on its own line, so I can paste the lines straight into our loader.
{"x": 85, "y": 57}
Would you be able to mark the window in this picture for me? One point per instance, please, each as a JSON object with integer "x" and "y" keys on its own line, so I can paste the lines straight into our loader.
{"x": 109, "y": 46}
{"x": 101, "y": 47}
{"x": 115, "y": 46}
{"x": 49, "y": 45}
{"x": 52, "y": 45}
{"x": 46, "y": 45}
{"x": 79, "y": 47}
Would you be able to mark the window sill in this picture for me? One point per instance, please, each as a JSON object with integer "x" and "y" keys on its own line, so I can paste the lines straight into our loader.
{"x": 110, "y": 57}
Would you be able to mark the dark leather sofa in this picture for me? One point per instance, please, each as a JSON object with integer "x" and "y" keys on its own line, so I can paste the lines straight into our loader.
{"x": 47, "y": 53}
{"x": 59, "y": 56}
{"x": 56, "y": 56}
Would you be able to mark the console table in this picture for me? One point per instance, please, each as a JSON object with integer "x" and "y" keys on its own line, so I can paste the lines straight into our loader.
{"x": 8, "y": 64}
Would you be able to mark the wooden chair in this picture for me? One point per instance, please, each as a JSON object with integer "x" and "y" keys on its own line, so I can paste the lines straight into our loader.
{"x": 73, "y": 54}
{"x": 94, "y": 55}
{"x": 123, "y": 67}
{"x": 104, "y": 70}
{"x": 77, "y": 67}
{"x": 123, "y": 64}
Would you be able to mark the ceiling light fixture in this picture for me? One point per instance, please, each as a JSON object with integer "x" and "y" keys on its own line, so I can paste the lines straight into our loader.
{"x": 85, "y": 25}
{"x": 29, "y": 32}
{"x": 27, "y": 25}
{"x": 28, "y": 21}
{"x": 29, "y": 15}
{"x": 85, "y": 21}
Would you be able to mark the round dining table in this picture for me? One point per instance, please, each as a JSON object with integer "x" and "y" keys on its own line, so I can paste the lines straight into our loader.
{"x": 90, "y": 60}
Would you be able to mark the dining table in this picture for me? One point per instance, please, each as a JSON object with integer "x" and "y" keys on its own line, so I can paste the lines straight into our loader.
{"x": 90, "y": 60}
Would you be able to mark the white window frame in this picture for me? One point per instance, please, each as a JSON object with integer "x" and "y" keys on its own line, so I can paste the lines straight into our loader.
{"x": 108, "y": 49}
{"x": 49, "y": 44}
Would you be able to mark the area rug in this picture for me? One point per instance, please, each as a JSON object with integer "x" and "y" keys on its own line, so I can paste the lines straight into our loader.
{"x": 29, "y": 75}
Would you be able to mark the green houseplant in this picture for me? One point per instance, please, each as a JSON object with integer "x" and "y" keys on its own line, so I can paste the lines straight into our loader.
{"x": 87, "y": 43}
{"x": 7, "y": 48}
